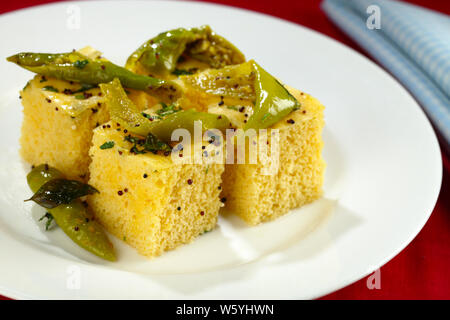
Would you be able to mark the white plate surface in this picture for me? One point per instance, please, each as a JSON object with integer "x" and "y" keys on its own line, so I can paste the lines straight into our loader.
{"x": 382, "y": 180}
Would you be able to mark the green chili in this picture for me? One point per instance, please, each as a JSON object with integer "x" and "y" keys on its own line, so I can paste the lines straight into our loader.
{"x": 74, "y": 66}
{"x": 123, "y": 111}
{"x": 160, "y": 54}
{"x": 73, "y": 218}
{"x": 272, "y": 101}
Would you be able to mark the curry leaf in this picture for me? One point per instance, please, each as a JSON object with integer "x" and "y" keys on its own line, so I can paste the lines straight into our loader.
{"x": 61, "y": 191}
{"x": 107, "y": 145}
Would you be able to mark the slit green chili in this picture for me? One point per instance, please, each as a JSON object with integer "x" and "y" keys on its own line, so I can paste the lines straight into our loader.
{"x": 123, "y": 111}
{"x": 73, "y": 218}
{"x": 272, "y": 101}
{"x": 74, "y": 66}
{"x": 160, "y": 54}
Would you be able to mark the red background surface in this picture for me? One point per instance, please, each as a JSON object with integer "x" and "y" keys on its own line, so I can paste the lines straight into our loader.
{"x": 421, "y": 270}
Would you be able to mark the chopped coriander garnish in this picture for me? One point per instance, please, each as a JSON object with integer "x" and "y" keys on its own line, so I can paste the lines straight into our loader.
{"x": 107, "y": 145}
{"x": 233, "y": 108}
{"x": 150, "y": 117}
{"x": 150, "y": 144}
{"x": 153, "y": 144}
{"x": 181, "y": 72}
{"x": 167, "y": 109}
{"x": 79, "y": 96}
{"x": 49, "y": 218}
{"x": 134, "y": 149}
{"x": 135, "y": 141}
{"x": 80, "y": 64}
{"x": 131, "y": 139}
{"x": 50, "y": 88}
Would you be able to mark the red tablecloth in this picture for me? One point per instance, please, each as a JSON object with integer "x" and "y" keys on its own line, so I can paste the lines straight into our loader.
{"x": 421, "y": 271}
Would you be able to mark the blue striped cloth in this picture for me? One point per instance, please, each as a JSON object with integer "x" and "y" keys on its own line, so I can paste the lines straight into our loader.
{"x": 413, "y": 43}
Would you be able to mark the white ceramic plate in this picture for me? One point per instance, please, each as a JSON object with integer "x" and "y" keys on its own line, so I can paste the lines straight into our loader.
{"x": 383, "y": 176}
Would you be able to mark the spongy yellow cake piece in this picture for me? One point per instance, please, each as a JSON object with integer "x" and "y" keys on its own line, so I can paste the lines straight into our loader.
{"x": 52, "y": 135}
{"x": 256, "y": 197}
{"x": 148, "y": 200}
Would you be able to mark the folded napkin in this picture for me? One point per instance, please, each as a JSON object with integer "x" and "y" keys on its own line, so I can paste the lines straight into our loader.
{"x": 413, "y": 43}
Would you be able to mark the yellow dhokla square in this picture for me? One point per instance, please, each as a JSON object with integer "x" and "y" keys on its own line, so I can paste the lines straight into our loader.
{"x": 57, "y": 123}
{"x": 256, "y": 197}
{"x": 53, "y": 136}
{"x": 148, "y": 200}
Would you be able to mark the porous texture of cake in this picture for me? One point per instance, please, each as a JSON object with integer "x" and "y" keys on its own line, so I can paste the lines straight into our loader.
{"x": 53, "y": 136}
{"x": 256, "y": 197}
{"x": 147, "y": 200}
